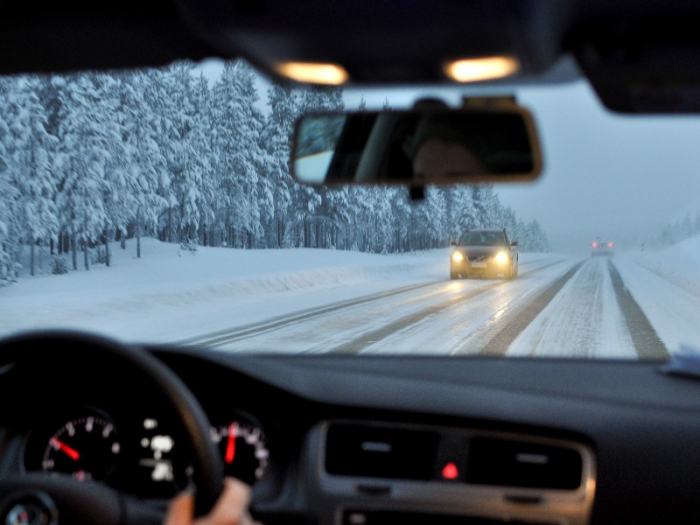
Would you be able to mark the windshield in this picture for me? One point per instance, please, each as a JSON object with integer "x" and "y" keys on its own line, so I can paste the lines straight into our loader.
{"x": 483, "y": 238}
{"x": 157, "y": 206}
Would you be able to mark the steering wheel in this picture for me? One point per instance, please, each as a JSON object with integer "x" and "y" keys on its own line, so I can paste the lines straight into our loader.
{"x": 63, "y": 499}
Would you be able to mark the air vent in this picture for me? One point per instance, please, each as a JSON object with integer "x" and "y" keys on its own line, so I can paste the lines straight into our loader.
{"x": 368, "y": 451}
{"x": 521, "y": 464}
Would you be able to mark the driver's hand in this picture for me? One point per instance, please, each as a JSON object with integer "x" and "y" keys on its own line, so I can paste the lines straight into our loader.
{"x": 230, "y": 509}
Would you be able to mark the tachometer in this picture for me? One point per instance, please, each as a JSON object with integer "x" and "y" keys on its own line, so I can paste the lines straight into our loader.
{"x": 86, "y": 448}
{"x": 243, "y": 447}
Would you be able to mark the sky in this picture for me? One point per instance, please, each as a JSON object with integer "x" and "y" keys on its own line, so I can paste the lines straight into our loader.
{"x": 610, "y": 175}
{"x": 605, "y": 175}
{"x": 619, "y": 177}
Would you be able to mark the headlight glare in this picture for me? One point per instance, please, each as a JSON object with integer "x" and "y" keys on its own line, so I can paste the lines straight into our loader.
{"x": 457, "y": 256}
{"x": 502, "y": 257}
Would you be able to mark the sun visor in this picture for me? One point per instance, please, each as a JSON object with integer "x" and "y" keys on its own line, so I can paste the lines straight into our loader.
{"x": 646, "y": 66}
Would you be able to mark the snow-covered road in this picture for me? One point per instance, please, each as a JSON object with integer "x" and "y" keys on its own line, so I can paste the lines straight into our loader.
{"x": 558, "y": 306}
{"x": 629, "y": 306}
{"x": 425, "y": 318}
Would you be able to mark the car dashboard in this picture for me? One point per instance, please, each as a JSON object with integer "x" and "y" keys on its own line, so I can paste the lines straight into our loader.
{"x": 381, "y": 440}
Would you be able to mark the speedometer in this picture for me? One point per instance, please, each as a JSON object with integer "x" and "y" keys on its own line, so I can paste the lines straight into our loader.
{"x": 86, "y": 448}
{"x": 243, "y": 447}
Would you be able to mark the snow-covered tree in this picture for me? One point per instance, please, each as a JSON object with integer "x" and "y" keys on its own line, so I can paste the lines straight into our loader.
{"x": 9, "y": 193}
{"x": 276, "y": 143}
{"x": 30, "y": 170}
{"x": 238, "y": 123}
{"x": 85, "y": 159}
{"x": 87, "y": 162}
{"x": 311, "y": 203}
{"x": 146, "y": 177}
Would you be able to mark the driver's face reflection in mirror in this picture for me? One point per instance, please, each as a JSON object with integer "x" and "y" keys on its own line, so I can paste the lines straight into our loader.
{"x": 443, "y": 150}
{"x": 438, "y": 159}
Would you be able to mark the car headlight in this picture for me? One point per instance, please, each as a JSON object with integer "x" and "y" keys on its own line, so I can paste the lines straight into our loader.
{"x": 502, "y": 258}
{"x": 457, "y": 257}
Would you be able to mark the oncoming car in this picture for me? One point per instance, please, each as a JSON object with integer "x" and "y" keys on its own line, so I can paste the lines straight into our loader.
{"x": 178, "y": 304}
{"x": 602, "y": 247}
{"x": 484, "y": 252}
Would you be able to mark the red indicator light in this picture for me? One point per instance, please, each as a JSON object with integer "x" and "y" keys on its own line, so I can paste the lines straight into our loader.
{"x": 450, "y": 471}
{"x": 610, "y": 245}
{"x": 595, "y": 244}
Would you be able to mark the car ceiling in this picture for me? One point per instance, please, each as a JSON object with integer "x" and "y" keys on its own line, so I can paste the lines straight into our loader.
{"x": 638, "y": 54}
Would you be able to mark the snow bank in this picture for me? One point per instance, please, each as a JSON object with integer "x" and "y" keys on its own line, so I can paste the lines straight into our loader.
{"x": 679, "y": 264}
{"x": 144, "y": 296}
{"x": 165, "y": 266}
{"x": 666, "y": 285}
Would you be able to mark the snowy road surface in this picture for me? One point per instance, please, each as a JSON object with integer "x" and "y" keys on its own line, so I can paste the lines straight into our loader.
{"x": 630, "y": 306}
{"x": 558, "y": 306}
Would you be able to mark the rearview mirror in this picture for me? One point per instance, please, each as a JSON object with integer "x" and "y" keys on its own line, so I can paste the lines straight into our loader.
{"x": 417, "y": 147}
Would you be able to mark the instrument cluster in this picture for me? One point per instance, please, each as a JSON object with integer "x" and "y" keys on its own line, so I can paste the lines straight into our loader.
{"x": 144, "y": 454}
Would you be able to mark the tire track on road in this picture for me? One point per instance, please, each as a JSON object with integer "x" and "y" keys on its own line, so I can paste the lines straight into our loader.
{"x": 241, "y": 332}
{"x": 374, "y": 336}
{"x": 645, "y": 339}
{"x": 499, "y": 344}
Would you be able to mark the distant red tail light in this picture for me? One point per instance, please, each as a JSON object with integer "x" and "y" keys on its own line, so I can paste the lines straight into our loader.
{"x": 610, "y": 245}
{"x": 594, "y": 245}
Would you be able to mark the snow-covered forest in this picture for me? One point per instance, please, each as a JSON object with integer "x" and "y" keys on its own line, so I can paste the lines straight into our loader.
{"x": 680, "y": 230}
{"x": 92, "y": 158}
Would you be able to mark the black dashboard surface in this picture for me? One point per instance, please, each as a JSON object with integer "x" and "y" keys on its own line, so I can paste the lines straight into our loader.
{"x": 640, "y": 425}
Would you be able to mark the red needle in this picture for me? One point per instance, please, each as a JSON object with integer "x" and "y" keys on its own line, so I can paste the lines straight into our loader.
{"x": 231, "y": 444}
{"x": 70, "y": 452}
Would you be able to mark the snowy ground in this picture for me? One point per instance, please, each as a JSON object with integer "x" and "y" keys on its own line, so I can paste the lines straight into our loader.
{"x": 343, "y": 302}
{"x": 666, "y": 284}
{"x": 170, "y": 294}
{"x": 580, "y": 321}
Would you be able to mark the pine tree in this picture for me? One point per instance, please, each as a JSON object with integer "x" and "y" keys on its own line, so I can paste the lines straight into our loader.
{"x": 276, "y": 143}
{"x": 146, "y": 172}
{"x": 312, "y": 203}
{"x": 31, "y": 170}
{"x": 87, "y": 160}
{"x": 9, "y": 194}
{"x": 238, "y": 122}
